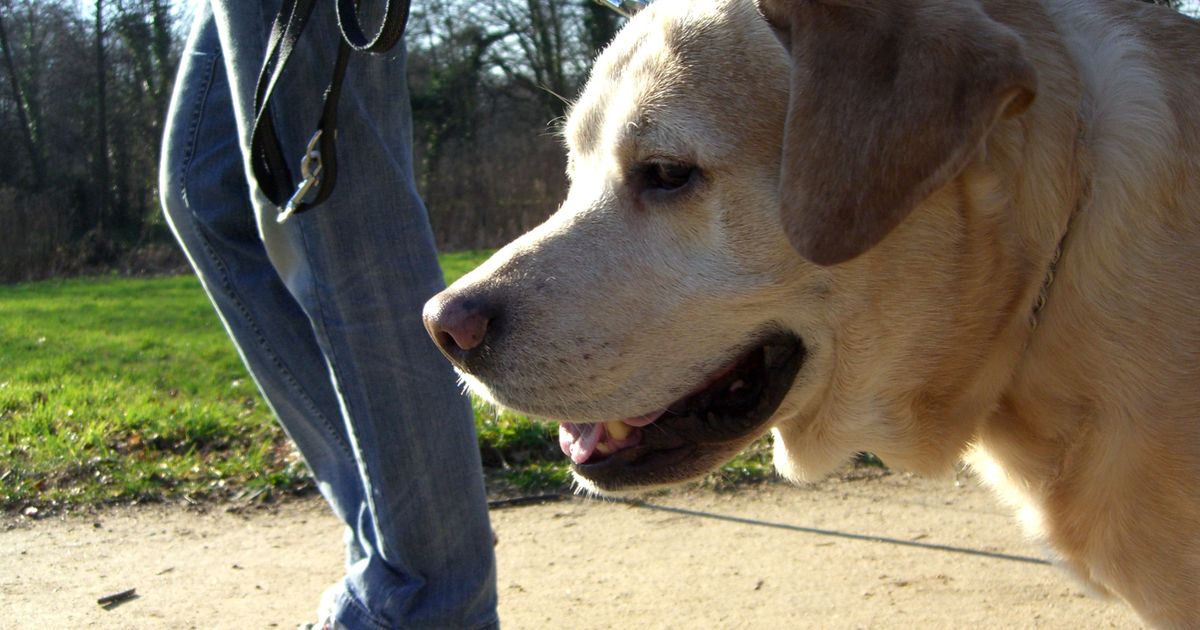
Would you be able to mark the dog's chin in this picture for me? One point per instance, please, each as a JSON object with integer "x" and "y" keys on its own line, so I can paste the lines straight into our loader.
{"x": 697, "y": 433}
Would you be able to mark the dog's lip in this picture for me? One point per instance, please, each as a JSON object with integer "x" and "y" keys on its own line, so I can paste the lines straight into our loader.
{"x": 660, "y": 440}
{"x": 579, "y": 441}
{"x": 642, "y": 421}
{"x": 640, "y": 460}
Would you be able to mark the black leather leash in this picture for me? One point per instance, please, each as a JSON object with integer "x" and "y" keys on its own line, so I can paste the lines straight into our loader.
{"x": 319, "y": 164}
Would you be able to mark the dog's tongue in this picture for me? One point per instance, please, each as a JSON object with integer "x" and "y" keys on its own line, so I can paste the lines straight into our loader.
{"x": 580, "y": 441}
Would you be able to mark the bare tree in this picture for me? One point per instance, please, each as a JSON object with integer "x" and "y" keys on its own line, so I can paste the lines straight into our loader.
{"x": 23, "y": 83}
{"x": 100, "y": 183}
{"x": 489, "y": 80}
{"x": 85, "y": 86}
{"x": 82, "y": 98}
{"x": 547, "y": 53}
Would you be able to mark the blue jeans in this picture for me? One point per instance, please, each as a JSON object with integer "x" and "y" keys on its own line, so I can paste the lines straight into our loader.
{"x": 326, "y": 312}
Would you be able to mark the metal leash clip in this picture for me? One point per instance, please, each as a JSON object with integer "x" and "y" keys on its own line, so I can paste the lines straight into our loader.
{"x": 310, "y": 173}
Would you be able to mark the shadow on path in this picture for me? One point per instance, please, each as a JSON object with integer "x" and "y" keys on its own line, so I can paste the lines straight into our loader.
{"x": 829, "y": 532}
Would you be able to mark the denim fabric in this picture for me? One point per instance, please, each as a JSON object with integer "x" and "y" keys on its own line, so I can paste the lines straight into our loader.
{"x": 325, "y": 311}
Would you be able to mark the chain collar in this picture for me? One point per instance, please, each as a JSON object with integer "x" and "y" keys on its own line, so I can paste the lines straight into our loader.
{"x": 1040, "y": 303}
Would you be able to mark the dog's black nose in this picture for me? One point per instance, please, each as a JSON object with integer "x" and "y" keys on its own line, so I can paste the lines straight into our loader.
{"x": 459, "y": 325}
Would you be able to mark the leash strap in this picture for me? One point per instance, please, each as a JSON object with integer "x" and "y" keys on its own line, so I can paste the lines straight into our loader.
{"x": 395, "y": 18}
{"x": 319, "y": 165}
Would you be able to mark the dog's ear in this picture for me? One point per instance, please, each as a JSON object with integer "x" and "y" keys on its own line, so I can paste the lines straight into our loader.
{"x": 889, "y": 100}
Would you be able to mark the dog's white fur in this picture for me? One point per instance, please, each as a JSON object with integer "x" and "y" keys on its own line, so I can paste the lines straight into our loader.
{"x": 921, "y": 348}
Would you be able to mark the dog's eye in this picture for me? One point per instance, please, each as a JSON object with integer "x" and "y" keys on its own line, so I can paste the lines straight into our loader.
{"x": 668, "y": 176}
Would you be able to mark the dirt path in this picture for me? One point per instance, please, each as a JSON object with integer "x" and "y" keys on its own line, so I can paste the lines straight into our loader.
{"x": 762, "y": 557}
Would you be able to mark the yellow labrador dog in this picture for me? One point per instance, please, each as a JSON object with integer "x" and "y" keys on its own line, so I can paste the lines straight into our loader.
{"x": 928, "y": 229}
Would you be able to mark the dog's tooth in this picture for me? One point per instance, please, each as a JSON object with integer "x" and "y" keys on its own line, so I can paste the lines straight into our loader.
{"x": 617, "y": 429}
{"x": 604, "y": 449}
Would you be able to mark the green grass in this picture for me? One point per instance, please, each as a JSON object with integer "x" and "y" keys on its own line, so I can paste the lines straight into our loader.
{"x": 456, "y": 264}
{"x": 119, "y": 390}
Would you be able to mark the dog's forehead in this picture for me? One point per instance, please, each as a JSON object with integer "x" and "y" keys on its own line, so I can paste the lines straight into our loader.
{"x": 651, "y": 90}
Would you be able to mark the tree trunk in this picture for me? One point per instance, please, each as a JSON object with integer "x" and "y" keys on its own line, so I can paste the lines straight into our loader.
{"x": 599, "y": 24}
{"x": 100, "y": 165}
{"x": 30, "y": 126}
{"x": 160, "y": 23}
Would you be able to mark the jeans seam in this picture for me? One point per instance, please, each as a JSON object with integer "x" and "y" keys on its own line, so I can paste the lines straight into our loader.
{"x": 194, "y": 127}
{"x": 331, "y": 357}
{"x": 222, "y": 268}
{"x": 261, "y": 340}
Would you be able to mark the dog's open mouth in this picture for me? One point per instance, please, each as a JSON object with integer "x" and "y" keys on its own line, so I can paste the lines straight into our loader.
{"x": 694, "y": 433}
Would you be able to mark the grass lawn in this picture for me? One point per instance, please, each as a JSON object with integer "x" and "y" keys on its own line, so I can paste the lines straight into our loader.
{"x": 119, "y": 390}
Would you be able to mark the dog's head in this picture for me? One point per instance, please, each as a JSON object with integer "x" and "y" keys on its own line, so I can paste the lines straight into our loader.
{"x": 684, "y": 299}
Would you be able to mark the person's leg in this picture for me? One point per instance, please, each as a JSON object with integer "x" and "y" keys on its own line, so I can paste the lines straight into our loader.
{"x": 206, "y": 201}
{"x": 361, "y": 266}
